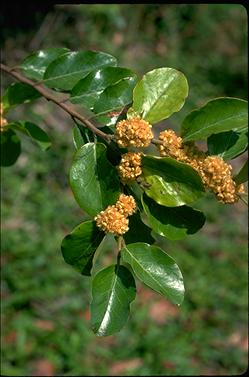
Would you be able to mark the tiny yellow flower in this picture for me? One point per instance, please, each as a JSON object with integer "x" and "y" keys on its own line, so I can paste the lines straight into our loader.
{"x": 130, "y": 166}
{"x": 134, "y": 132}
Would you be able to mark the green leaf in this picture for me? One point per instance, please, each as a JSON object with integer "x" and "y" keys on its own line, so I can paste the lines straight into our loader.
{"x": 81, "y": 136}
{"x": 156, "y": 269}
{"x": 227, "y": 145}
{"x": 136, "y": 191}
{"x": 169, "y": 182}
{"x": 78, "y": 139}
{"x": 34, "y": 132}
{"x": 138, "y": 231}
{"x": 159, "y": 94}
{"x": 88, "y": 90}
{"x": 94, "y": 181}
{"x": 174, "y": 223}
{"x": 242, "y": 176}
{"x": 64, "y": 72}
{"x": 115, "y": 96}
{"x": 10, "y": 147}
{"x": 108, "y": 120}
{"x": 34, "y": 66}
{"x": 218, "y": 115}
{"x": 79, "y": 246}
{"x": 18, "y": 93}
{"x": 113, "y": 289}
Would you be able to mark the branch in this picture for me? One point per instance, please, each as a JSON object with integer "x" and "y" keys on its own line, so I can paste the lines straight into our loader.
{"x": 49, "y": 95}
{"x": 156, "y": 141}
{"x": 243, "y": 199}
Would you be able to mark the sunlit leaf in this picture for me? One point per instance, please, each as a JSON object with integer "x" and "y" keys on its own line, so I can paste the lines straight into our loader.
{"x": 94, "y": 181}
{"x": 64, "y": 72}
{"x": 159, "y": 94}
{"x": 34, "y": 66}
{"x": 169, "y": 182}
{"x": 113, "y": 289}
{"x": 116, "y": 96}
{"x": 217, "y": 115}
{"x": 156, "y": 269}
{"x": 87, "y": 91}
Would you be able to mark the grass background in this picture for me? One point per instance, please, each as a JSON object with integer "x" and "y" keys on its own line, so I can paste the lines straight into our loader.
{"x": 45, "y": 303}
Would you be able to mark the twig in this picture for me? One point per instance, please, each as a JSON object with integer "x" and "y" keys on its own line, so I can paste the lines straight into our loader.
{"x": 49, "y": 95}
{"x": 120, "y": 239}
{"x": 243, "y": 199}
{"x": 156, "y": 141}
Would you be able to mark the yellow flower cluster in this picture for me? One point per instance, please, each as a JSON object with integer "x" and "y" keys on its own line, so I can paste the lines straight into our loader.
{"x": 3, "y": 121}
{"x": 130, "y": 166}
{"x": 126, "y": 204}
{"x": 172, "y": 145}
{"x": 111, "y": 220}
{"x": 216, "y": 174}
{"x": 114, "y": 218}
{"x": 134, "y": 132}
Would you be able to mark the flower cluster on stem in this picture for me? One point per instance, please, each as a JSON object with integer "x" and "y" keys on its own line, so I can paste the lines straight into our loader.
{"x": 133, "y": 132}
{"x": 114, "y": 218}
{"x": 215, "y": 173}
{"x": 129, "y": 167}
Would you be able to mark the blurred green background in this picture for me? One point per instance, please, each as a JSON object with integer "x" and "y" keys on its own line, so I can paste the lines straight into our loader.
{"x": 45, "y": 303}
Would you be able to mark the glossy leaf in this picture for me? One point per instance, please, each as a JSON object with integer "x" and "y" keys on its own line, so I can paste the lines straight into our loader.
{"x": 218, "y": 115}
{"x": 115, "y": 96}
{"x": 78, "y": 140}
{"x": 242, "y": 176}
{"x": 227, "y": 145}
{"x": 174, "y": 223}
{"x": 108, "y": 119}
{"x": 169, "y": 182}
{"x": 81, "y": 136}
{"x": 10, "y": 147}
{"x": 64, "y": 72}
{"x": 94, "y": 181}
{"x": 88, "y": 90}
{"x": 34, "y": 66}
{"x": 138, "y": 231}
{"x": 34, "y": 132}
{"x": 113, "y": 289}
{"x": 159, "y": 94}
{"x": 156, "y": 269}
{"x": 79, "y": 246}
{"x": 18, "y": 93}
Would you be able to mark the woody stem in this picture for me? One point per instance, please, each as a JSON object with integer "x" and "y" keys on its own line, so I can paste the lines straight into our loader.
{"x": 51, "y": 96}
